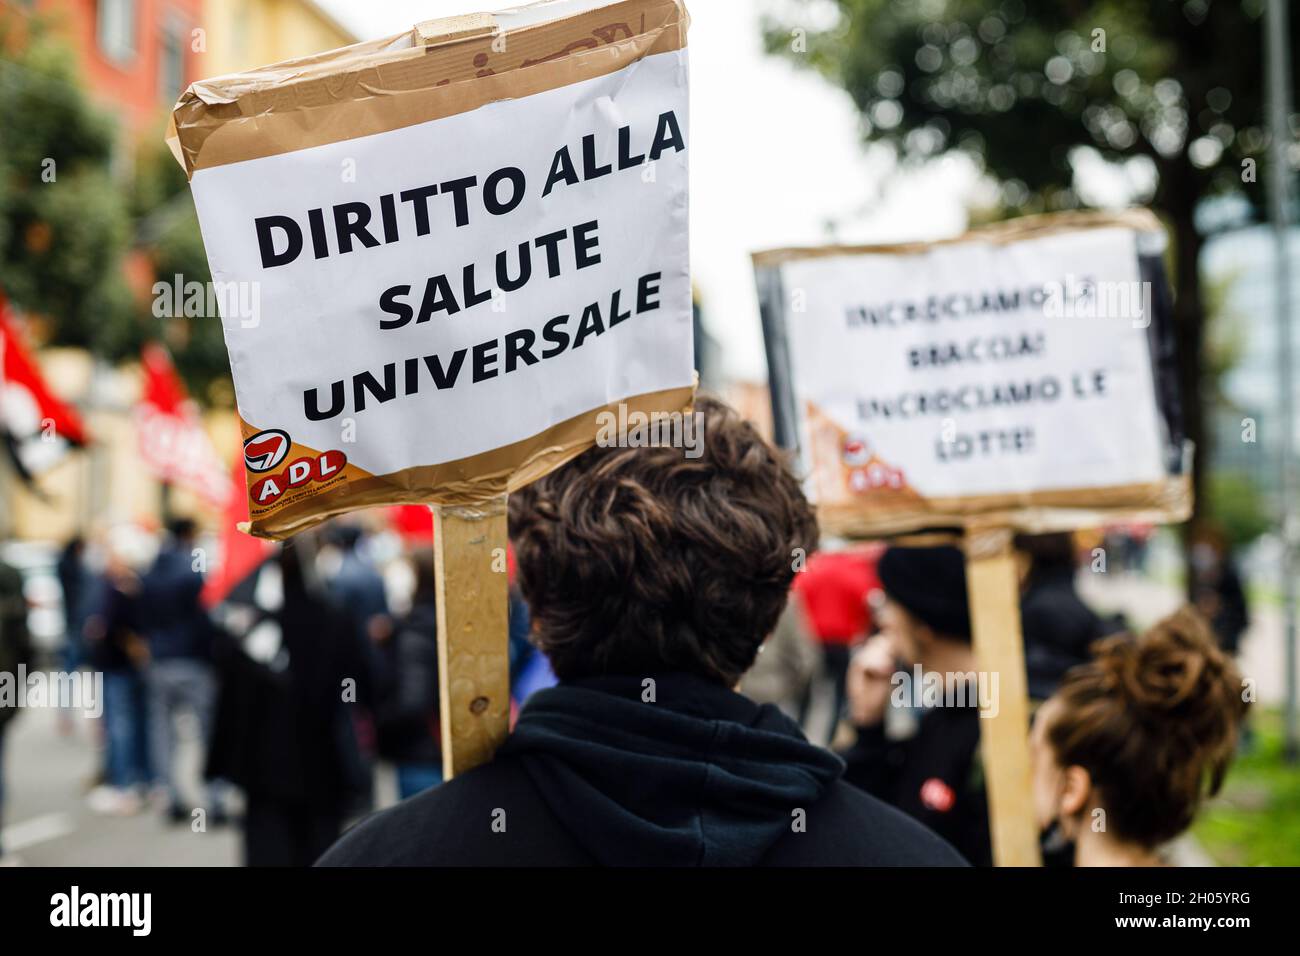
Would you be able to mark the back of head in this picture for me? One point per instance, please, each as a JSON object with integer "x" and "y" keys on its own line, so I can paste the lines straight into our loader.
{"x": 1048, "y": 552}
{"x": 182, "y": 529}
{"x": 1154, "y": 721}
{"x": 424, "y": 568}
{"x": 642, "y": 560}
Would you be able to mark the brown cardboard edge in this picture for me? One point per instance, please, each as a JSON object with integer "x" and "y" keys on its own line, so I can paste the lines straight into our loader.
{"x": 498, "y": 471}
{"x": 1001, "y": 233}
{"x": 1163, "y": 502}
{"x": 269, "y": 112}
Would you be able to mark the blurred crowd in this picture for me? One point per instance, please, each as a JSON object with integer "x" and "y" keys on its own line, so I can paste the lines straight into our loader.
{"x": 316, "y": 662}
{"x": 300, "y": 672}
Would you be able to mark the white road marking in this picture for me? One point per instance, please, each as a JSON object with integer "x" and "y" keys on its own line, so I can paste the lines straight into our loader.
{"x": 50, "y": 826}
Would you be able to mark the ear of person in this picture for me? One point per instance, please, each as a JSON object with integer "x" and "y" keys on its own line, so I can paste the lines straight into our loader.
{"x": 1076, "y": 788}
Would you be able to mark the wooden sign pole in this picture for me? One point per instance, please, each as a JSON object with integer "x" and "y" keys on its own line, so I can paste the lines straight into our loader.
{"x": 473, "y": 643}
{"x": 993, "y": 588}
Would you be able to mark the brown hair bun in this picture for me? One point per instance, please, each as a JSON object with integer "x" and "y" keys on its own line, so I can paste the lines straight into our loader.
{"x": 1154, "y": 721}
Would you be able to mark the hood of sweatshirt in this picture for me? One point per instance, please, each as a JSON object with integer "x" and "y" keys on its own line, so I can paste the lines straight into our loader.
{"x": 692, "y": 774}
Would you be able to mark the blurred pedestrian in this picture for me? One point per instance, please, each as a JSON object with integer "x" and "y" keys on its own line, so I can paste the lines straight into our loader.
{"x": 935, "y": 774}
{"x": 406, "y": 688}
{"x": 835, "y": 590}
{"x": 1059, "y": 628}
{"x": 652, "y": 578}
{"x": 77, "y": 583}
{"x": 1217, "y": 591}
{"x": 15, "y": 651}
{"x": 1126, "y": 751}
{"x": 116, "y": 648}
{"x": 180, "y": 679}
{"x": 290, "y": 670}
{"x": 358, "y": 585}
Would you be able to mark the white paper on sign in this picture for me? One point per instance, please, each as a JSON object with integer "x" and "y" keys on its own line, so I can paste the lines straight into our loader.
{"x": 977, "y": 368}
{"x": 319, "y": 318}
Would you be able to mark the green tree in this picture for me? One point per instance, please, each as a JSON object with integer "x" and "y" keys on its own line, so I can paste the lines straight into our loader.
{"x": 1238, "y": 508}
{"x": 168, "y": 228}
{"x": 1173, "y": 83}
{"x": 69, "y": 216}
{"x": 64, "y": 226}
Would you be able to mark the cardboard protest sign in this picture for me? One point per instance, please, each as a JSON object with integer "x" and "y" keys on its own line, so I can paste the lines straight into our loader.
{"x": 1021, "y": 376}
{"x": 466, "y": 243}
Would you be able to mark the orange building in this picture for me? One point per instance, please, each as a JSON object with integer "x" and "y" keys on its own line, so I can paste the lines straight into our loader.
{"x": 135, "y": 56}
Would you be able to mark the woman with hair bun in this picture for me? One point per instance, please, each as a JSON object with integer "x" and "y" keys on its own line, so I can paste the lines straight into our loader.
{"x": 1128, "y": 747}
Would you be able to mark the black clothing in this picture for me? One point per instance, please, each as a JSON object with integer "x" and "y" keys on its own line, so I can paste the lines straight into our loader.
{"x": 935, "y": 776}
{"x": 16, "y": 647}
{"x": 931, "y": 584}
{"x": 1226, "y": 598}
{"x": 118, "y": 612}
{"x": 279, "y": 833}
{"x": 406, "y": 690}
{"x": 170, "y": 615}
{"x": 1058, "y": 629}
{"x": 282, "y": 731}
{"x": 593, "y": 774}
{"x": 835, "y": 664}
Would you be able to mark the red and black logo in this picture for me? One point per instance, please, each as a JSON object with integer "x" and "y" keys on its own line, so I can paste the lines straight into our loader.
{"x": 327, "y": 466}
{"x": 266, "y": 449}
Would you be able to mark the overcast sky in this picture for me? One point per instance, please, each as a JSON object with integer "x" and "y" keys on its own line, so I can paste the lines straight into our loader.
{"x": 807, "y": 165}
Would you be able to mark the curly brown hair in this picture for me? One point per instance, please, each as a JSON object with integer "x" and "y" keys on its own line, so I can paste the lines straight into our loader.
{"x": 1154, "y": 721}
{"x": 642, "y": 560}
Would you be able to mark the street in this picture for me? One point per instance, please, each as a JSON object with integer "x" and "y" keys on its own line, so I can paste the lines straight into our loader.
{"x": 47, "y": 821}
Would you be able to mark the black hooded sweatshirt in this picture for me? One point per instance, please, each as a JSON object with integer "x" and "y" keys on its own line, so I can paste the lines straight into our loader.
{"x": 595, "y": 773}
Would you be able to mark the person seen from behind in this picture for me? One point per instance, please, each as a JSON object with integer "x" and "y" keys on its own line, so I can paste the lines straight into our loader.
{"x": 16, "y": 650}
{"x": 1128, "y": 748}
{"x": 406, "y": 688}
{"x": 179, "y": 675}
{"x": 652, "y": 579}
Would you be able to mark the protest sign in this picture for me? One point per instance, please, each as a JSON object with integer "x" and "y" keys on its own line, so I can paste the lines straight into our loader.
{"x": 1022, "y": 374}
{"x": 462, "y": 248}
{"x": 466, "y": 243}
{"x": 1020, "y": 377}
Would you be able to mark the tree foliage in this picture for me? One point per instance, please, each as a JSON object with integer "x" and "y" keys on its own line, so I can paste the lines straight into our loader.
{"x": 1173, "y": 85}
{"x": 75, "y": 201}
{"x": 64, "y": 225}
{"x": 1020, "y": 86}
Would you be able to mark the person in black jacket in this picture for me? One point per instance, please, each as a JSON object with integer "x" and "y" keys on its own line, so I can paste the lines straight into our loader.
{"x": 652, "y": 579}
{"x": 290, "y": 668}
{"x": 934, "y": 775}
{"x": 406, "y": 688}
{"x": 1059, "y": 629}
{"x": 179, "y": 675}
{"x": 16, "y": 649}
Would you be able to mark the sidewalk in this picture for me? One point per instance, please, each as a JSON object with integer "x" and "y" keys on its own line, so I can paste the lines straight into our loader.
{"x": 47, "y": 822}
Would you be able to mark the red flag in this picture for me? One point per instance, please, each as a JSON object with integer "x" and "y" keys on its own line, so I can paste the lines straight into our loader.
{"x": 241, "y": 553}
{"x": 38, "y": 427}
{"x": 173, "y": 442}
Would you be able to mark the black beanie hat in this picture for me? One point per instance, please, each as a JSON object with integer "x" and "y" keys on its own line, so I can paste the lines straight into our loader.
{"x": 931, "y": 584}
